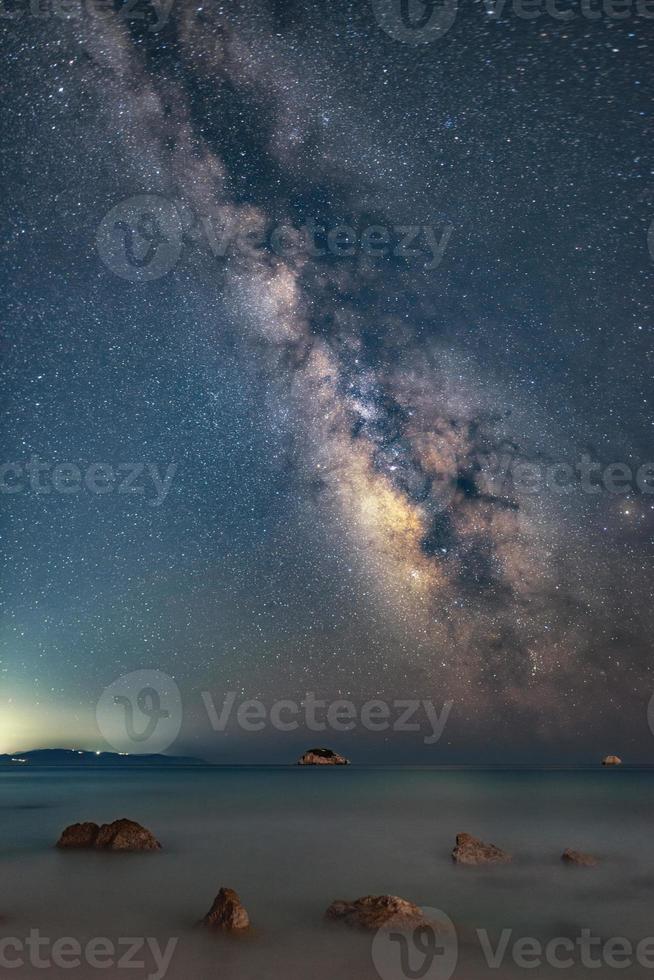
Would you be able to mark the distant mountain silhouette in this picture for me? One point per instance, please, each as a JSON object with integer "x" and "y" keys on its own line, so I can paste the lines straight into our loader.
{"x": 73, "y": 757}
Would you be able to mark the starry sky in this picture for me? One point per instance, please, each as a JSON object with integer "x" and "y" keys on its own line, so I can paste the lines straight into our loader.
{"x": 330, "y": 413}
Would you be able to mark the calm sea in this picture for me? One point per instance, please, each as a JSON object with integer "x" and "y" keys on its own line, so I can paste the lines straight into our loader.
{"x": 292, "y": 840}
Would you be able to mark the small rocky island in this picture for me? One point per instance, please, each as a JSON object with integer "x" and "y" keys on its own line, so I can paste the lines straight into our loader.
{"x": 227, "y": 914}
{"x": 578, "y": 858}
{"x": 611, "y": 760}
{"x": 377, "y": 912}
{"x": 470, "y": 850}
{"x": 322, "y": 757}
{"x": 121, "y": 835}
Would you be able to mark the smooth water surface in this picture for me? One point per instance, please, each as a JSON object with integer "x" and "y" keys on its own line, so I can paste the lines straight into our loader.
{"x": 290, "y": 841}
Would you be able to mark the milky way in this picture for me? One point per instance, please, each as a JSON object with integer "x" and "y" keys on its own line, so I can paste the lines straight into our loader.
{"x": 348, "y": 426}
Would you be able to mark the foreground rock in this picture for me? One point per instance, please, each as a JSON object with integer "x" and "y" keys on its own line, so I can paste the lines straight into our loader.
{"x": 226, "y": 914}
{"x": 578, "y": 858}
{"x": 322, "y": 757}
{"x": 121, "y": 835}
{"x": 377, "y": 912}
{"x": 611, "y": 760}
{"x": 469, "y": 850}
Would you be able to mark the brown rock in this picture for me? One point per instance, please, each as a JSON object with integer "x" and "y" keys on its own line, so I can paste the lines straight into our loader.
{"x": 322, "y": 757}
{"x": 79, "y": 835}
{"x": 126, "y": 835}
{"x": 578, "y": 858}
{"x": 469, "y": 850}
{"x": 611, "y": 760}
{"x": 226, "y": 913}
{"x": 121, "y": 835}
{"x": 377, "y": 912}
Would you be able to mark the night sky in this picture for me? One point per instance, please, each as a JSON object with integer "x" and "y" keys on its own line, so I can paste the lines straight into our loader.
{"x": 330, "y": 414}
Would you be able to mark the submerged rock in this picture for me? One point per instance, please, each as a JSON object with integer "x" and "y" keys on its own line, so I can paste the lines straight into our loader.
{"x": 611, "y": 760}
{"x": 470, "y": 850}
{"x": 578, "y": 858}
{"x": 226, "y": 914}
{"x": 322, "y": 757}
{"x": 121, "y": 835}
{"x": 377, "y": 912}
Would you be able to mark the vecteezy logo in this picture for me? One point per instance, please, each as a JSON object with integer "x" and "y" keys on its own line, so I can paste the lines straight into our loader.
{"x": 140, "y": 712}
{"x": 427, "y": 952}
{"x": 140, "y": 239}
{"x": 415, "y": 21}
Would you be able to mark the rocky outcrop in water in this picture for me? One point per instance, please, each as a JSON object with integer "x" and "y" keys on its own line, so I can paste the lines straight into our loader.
{"x": 227, "y": 913}
{"x": 611, "y": 760}
{"x": 79, "y": 835}
{"x": 470, "y": 850}
{"x": 322, "y": 757}
{"x": 578, "y": 858}
{"x": 121, "y": 835}
{"x": 377, "y": 912}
